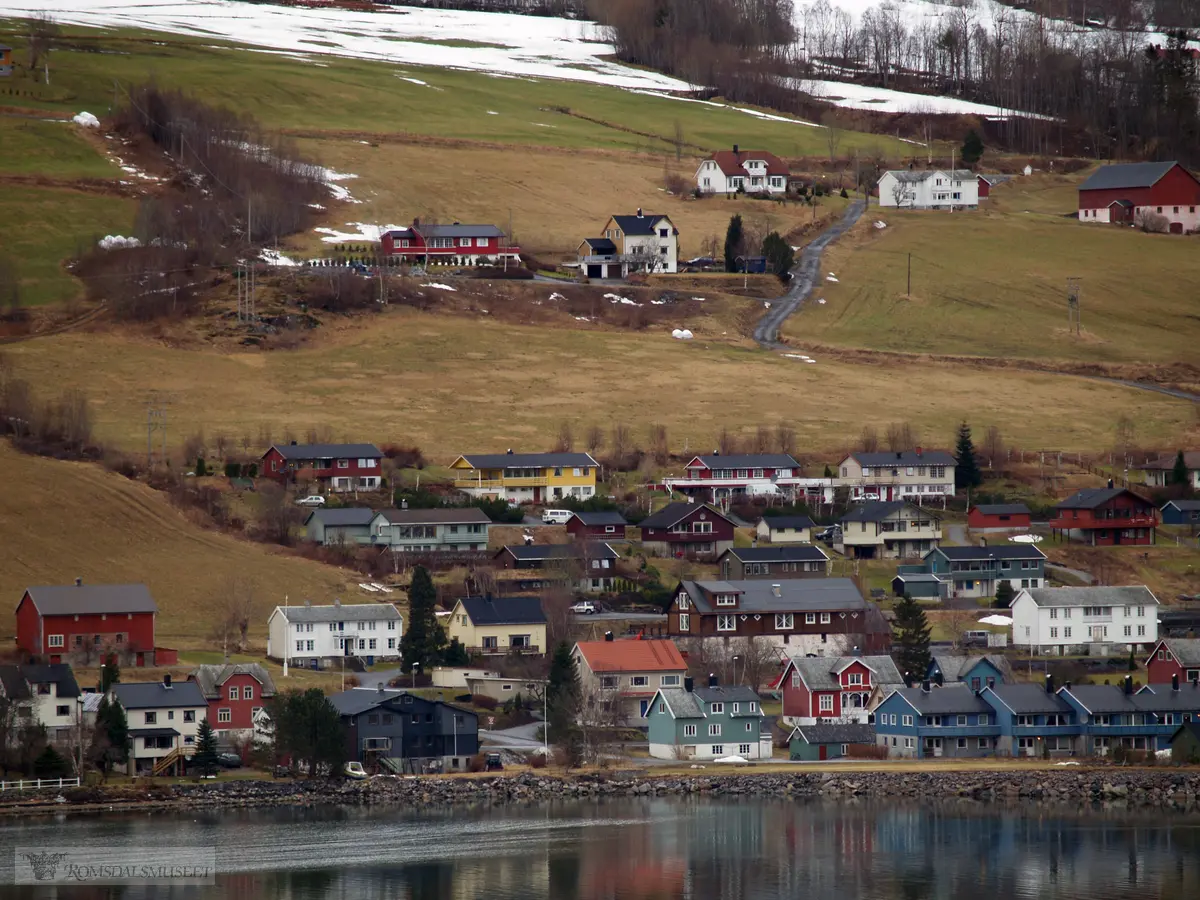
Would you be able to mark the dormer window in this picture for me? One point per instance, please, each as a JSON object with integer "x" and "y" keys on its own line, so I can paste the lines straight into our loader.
{"x": 726, "y": 600}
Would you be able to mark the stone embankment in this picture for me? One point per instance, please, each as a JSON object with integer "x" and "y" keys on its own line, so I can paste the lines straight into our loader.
{"x": 1167, "y": 788}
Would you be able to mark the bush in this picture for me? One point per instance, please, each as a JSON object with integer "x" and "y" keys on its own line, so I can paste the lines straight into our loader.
{"x": 483, "y": 701}
{"x": 233, "y": 470}
{"x": 477, "y": 763}
{"x": 536, "y": 760}
{"x": 201, "y": 468}
{"x": 845, "y": 196}
{"x": 352, "y": 681}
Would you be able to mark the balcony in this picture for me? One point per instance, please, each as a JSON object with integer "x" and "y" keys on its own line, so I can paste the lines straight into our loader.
{"x": 498, "y": 484}
{"x": 957, "y": 731}
{"x": 527, "y": 650}
{"x": 464, "y": 537}
{"x": 1036, "y": 731}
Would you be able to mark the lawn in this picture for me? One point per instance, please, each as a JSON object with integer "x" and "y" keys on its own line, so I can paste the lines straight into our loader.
{"x": 993, "y": 282}
{"x": 454, "y": 383}
{"x": 50, "y": 148}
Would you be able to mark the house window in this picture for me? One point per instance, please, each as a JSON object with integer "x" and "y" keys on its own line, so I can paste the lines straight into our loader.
{"x": 189, "y": 715}
{"x": 983, "y": 719}
{"x": 224, "y": 714}
{"x": 907, "y": 721}
{"x": 689, "y": 730}
{"x": 826, "y": 701}
{"x": 783, "y": 621}
{"x": 685, "y": 622}
{"x": 1128, "y": 631}
{"x": 233, "y": 693}
{"x": 810, "y": 618}
{"x": 826, "y": 618}
{"x": 151, "y": 718}
{"x": 716, "y": 708}
{"x": 855, "y": 678}
{"x": 62, "y": 710}
{"x": 1053, "y": 634}
{"x": 1067, "y": 632}
{"x": 726, "y": 623}
{"x": 718, "y": 749}
{"x": 299, "y": 646}
{"x": 714, "y": 730}
{"x": 669, "y": 681}
{"x": 608, "y": 681}
{"x": 54, "y": 640}
{"x": 726, "y": 599}
{"x": 1141, "y": 631}
{"x": 639, "y": 680}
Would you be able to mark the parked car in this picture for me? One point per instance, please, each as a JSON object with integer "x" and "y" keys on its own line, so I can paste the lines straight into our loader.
{"x": 556, "y": 516}
{"x": 311, "y": 500}
{"x": 830, "y": 534}
{"x": 976, "y": 638}
{"x": 585, "y": 608}
{"x": 230, "y": 760}
{"x": 493, "y": 763}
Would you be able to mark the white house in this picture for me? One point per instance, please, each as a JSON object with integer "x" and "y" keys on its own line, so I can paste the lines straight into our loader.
{"x": 47, "y": 694}
{"x": 163, "y": 718}
{"x": 929, "y": 189}
{"x": 751, "y": 171}
{"x": 313, "y": 637}
{"x": 1105, "y": 619}
{"x": 640, "y": 243}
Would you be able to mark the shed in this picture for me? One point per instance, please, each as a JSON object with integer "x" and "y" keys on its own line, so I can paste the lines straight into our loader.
{"x": 1185, "y": 744}
{"x": 5, "y": 61}
{"x": 920, "y": 586}
{"x": 999, "y": 516}
{"x": 828, "y": 741}
{"x": 1181, "y": 512}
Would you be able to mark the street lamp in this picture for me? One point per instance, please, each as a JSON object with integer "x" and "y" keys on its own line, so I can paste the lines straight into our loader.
{"x": 415, "y": 666}
{"x": 735, "y": 662}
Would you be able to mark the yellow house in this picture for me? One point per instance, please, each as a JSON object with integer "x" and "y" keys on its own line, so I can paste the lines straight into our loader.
{"x": 499, "y": 625}
{"x": 526, "y": 477}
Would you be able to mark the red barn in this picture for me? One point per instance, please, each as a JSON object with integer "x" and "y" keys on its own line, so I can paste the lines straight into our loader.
{"x": 694, "y": 530}
{"x": 1106, "y": 516}
{"x": 1174, "y": 658}
{"x": 999, "y": 516}
{"x": 825, "y": 687}
{"x": 1124, "y": 192}
{"x": 233, "y": 692}
{"x": 458, "y": 245}
{"x": 339, "y": 467}
{"x": 80, "y": 621}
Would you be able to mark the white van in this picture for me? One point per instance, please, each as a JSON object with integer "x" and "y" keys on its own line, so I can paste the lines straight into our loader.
{"x": 556, "y": 516}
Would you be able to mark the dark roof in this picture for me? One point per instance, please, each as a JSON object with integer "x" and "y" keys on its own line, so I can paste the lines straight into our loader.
{"x": 794, "y": 595}
{"x": 640, "y": 224}
{"x": 601, "y": 245}
{"x": 53, "y": 673}
{"x": 1023, "y": 699}
{"x": 1126, "y": 175}
{"x": 153, "y": 732}
{"x": 997, "y": 551}
{"x": 845, "y": 733}
{"x": 796, "y": 522}
{"x": 535, "y": 552}
{"x": 736, "y": 693}
{"x": 876, "y": 510}
{"x": 906, "y": 458}
{"x": 1185, "y": 650}
{"x": 13, "y": 684}
{"x": 677, "y": 512}
{"x": 1002, "y": 509}
{"x": 1164, "y": 698}
{"x": 154, "y": 695}
{"x": 332, "y": 518}
{"x": 211, "y": 677}
{"x": 442, "y": 515}
{"x": 601, "y": 518}
{"x": 1191, "y": 459}
{"x": 821, "y": 672}
{"x": 1184, "y": 505}
{"x": 750, "y": 461}
{"x": 1102, "y": 698}
{"x": 76, "y": 599}
{"x": 504, "y": 610}
{"x": 795, "y": 553}
{"x": 1090, "y": 498}
{"x": 527, "y": 460}
{"x": 345, "y": 612}
{"x": 359, "y": 700}
{"x": 948, "y": 700}
{"x": 326, "y": 451}
{"x": 955, "y": 668}
{"x": 457, "y": 230}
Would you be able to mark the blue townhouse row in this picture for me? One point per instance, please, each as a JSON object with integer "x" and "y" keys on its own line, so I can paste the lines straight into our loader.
{"x": 928, "y": 721}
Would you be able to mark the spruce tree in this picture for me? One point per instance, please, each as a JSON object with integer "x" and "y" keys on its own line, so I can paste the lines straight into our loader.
{"x": 562, "y": 692}
{"x": 423, "y": 640}
{"x": 966, "y": 470}
{"x": 780, "y": 258}
{"x": 1179, "y": 472}
{"x": 110, "y": 740}
{"x": 110, "y": 672}
{"x": 733, "y": 243}
{"x": 1004, "y": 595}
{"x": 911, "y": 638}
{"x": 205, "y": 758}
{"x": 972, "y": 148}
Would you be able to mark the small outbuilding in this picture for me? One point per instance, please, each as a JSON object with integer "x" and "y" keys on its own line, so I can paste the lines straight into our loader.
{"x": 999, "y": 517}
{"x": 1181, "y": 512}
{"x": 810, "y": 743}
{"x": 920, "y": 586}
{"x": 1185, "y": 744}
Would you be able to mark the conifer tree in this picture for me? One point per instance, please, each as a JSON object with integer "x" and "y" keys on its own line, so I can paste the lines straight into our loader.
{"x": 966, "y": 470}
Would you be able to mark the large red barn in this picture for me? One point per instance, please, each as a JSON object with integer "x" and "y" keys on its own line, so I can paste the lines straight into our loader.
{"x": 80, "y": 621}
{"x": 1122, "y": 193}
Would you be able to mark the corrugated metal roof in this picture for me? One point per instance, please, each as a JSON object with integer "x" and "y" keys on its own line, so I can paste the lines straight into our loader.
{"x": 334, "y": 518}
{"x": 1126, "y": 175}
{"x": 792, "y": 553}
{"x": 905, "y": 458}
{"x": 841, "y": 733}
{"x": 677, "y": 512}
{"x": 750, "y": 461}
{"x": 632, "y": 656}
{"x": 211, "y": 677}
{"x": 794, "y": 595}
{"x": 504, "y": 610}
{"x": 327, "y": 451}
{"x": 78, "y": 599}
{"x": 528, "y": 460}
{"x": 1023, "y": 699}
{"x": 949, "y": 700}
{"x": 352, "y": 612}
{"x": 1002, "y": 509}
{"x": 797, "y": 522}
{"x": 156, "y": 695}
{"x": 444, "y": 515}
{"x": 997, "y": 551}
{"x": 1132, "y": 595}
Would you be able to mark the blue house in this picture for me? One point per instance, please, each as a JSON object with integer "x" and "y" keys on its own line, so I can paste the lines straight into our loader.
{"x": 930, "y": 721}
{"x": 1111, "y": 716}
{"x": 979, "y": 571}
{"x": 977, "y": 672}
{"x": 707, "y": 723}
{"x": 1033, "y": 720}
{"x": 1181, "y": 512}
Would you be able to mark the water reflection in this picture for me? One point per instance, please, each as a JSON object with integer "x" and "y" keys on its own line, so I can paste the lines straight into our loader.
{"x": 641, "y": 850}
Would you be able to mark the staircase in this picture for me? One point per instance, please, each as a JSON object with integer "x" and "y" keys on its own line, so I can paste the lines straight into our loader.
{"x": 176, "y": 757}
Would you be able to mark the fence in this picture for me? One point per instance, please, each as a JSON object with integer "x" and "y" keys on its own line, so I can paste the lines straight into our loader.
{"x": 38, "y": 784}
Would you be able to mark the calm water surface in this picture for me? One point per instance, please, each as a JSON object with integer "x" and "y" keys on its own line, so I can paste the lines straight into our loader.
{"x": 652, "y": 848}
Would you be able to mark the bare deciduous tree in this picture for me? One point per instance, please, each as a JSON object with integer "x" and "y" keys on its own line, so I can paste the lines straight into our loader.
{"x": 900, "y": 437}
{"x": 556, "y": 604}
{"x": 1124, "y": 434}
{"x": 595, "y": 438}
{"x": 659, "y": 448}
{"x": 785, "y": 438}
{"x": 276, "y": 514}
{"x": 620, "y": 442}
{"x": 43, "y": 31}
{"x": 993, "y": 446}
{"x": 237, "y": 606}
{"x": 762, "y": 439}
{"x": 566, "y": 438}
{"x": 833, "y": 133}
{"x": 727, "y": 442}
{"x": 868, "y": 440}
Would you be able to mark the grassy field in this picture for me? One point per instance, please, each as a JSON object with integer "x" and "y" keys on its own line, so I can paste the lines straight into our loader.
{"x": 53, "y": 149}
{"x": 992, "y": 282}
{"x": 456, "y": 383}
{"x": 65, "y": 520}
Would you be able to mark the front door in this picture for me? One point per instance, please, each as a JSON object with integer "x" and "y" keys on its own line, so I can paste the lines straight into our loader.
{"x": 1098, "y": 633}
{"x": 643, "y": 705}
{"x": 933, "y": 746}
{"x": 822, "y": 752}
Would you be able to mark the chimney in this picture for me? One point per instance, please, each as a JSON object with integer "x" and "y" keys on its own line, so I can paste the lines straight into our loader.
{"x": 1110, "y": 483}
{"x": 777, "y": 590}
{"x": 899, "y": 456}
{"x": 983, "y": 542}
{"x": 508, "y": 452}
{"x": 78, "y": 582}
{"x": 167, "y": 681}
{"x": 735, "y": 149}
{"x": 1175, "y": 682}
{"x": 337, "y": 601}
{"x": 713, "y": 681}
{"x": 293, "y": 443}
{"x": 639, "y": 212}
{"x": 380, "y": 685}
{"x": 689, "y": 683}
{"x": 404, "y": 504}
{"x": 416, "y": 221}
{"x": 608, "y": 636}
{"x": 918, "y": 450}
{"x": 925, "y": 686}
{"x": 308, "y": 604}
{"x": 1128, "y": 684}
{"x": 716, "y": 452}
{"x": 1067, "y": 686}
{"x": 940, "y": 679}
{"x": 908, "y": 680}
{"x": 856, "y": 651}
{"x": 1049, "y": 683}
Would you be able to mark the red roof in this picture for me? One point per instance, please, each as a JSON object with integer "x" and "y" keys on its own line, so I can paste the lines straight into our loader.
{"x": 731, "y": 163}
{"x": 632, "y": 656}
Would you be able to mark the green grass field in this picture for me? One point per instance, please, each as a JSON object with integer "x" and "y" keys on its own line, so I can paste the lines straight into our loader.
{"x": 52, "y": 149}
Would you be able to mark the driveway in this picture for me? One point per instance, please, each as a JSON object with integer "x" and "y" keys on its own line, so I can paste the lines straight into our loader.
{"x": 1077, "y": 574}
{"x": 956, "y": 534}
{"x": 621, "y": 617}
{"x": 522, "y": 738}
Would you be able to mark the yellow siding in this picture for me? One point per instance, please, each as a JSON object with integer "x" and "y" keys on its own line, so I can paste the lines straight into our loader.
{"x": 472, "y": 635}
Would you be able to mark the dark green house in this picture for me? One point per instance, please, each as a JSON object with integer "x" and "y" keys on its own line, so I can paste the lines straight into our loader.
{"x": 1185, "y": 744}
{"x": 810, "y": 743}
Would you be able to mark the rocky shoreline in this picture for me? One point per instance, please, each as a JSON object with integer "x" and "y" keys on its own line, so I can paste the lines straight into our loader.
{"x": 1171, "y": 789}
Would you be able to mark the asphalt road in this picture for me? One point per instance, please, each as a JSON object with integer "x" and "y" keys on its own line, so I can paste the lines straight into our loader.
{"x": 621, "y": 617}
{"x": 804, "y": 278}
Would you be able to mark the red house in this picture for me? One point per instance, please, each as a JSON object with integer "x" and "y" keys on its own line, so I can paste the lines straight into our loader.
{"x": 597, "y": 526}
{"x": 1174, "y": 658}
{"x": 715, "y": 477}
{"x": 694, "y": 530}
{"x": 1105, "y": 516}
{"x": 234, "y": 693}
{"x": 999, "y": 517}
{"x": 339, "y": 467}
{"x": 1124, "y": 192}
{"x": 80, "y": 621}
{"x": 459, "y": 245}
{"x": 817, "y": 688}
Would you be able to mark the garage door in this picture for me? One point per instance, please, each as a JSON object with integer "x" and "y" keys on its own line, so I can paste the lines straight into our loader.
{"x": 1176, "y": 228}
{"x": 593, "y": 271}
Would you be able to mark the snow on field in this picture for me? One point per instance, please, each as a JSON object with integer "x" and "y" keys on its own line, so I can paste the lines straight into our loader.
{"x": 275, "y": 258}
{"x": 118, "y": 242}
{"x": 538, "y": 46}
{"x": 858, "y": 96}
{"x": 365, "y": 233}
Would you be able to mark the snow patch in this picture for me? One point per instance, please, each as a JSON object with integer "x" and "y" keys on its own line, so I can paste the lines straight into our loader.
{"x": 414, "y": 80}
{"x": 339, "y": 192}
{"x": 86, "y": 119}
{"x": 821, "y": 301}
{"x": 617, "y": 298}
{"x": 881, "y": 225}
{"x": 681, "y": 334}
{"x": 117, "y": 242}
{"x": 556, "y": 296}
{"x": 831, "y": 277}
{"x": 365, "y": 233}
{"x": 275, "y": 258}
{"x": 441, "y": 287}
{"x": 492, "y": 112}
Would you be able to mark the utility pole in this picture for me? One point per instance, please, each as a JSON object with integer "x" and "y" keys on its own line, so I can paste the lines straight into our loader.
{"x": 910, "y": 275}
{"x": 1073, "y": 291}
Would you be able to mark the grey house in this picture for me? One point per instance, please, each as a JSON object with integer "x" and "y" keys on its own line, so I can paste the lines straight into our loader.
{"x": 794, "y": 561}
{"x": 398, "y": 731}
{"x": 423, "y": 530}
{"x": 340, "y": 527}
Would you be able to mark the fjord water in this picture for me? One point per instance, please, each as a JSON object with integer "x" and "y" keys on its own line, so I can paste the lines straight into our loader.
{"x": 751, "y": 849}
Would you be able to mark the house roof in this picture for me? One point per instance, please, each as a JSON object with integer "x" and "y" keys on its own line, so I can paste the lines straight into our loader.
{"x": 333, "y": 518}
{"x": 731, "y": 162}
{"x": 76, "y": 599}
{"x": 1131, "y": 595}
{"x": 1002, "y": 509}
{"x": 1186, "y": 651}
{"x": 346, "y": 612}
{"x": 1101, "y": 698}
{"x": 994, "y": 551}
{"x": 994, "y": 178}
{"x": 1090, "y": 498}
{"x": 13, "y": 684}
{"x": 535, "y": 552}
{"x": 326, "y": 451}
{"x": 1184, "y": 505}
{"x": 60, "y": 674}
{"x": 504, "y": 610}
{"x": 875, "y": 511}
{"x": 918, "y": 578}
{"x": 457, "y": 230}
{"x": 733, "y": 693}
{"x": 441, "y": 515}
{"x": 747, "y": 461}
{"x": 820, "y": 672}
{"x": 797, "y": 522}
{"x": 948, "y": 700}
{"x": 601, "y": 245}
{"x": 1191, "y": 459}
{"x": 683, "y": 704}
{"x": 914, "y": 176}
{"x": 794, "y": 553}
{"x": 641, "y": 224}
{"x": 527, "y": 460}
{"x": 954, "y": 667}
{"x": 837, "y": 733}
{"x": 1164, "y": 698}
{"x": 673, "y": 513}
{"x": 905, "y": 458}
{"x": 1024, "y": 699}
{"x": 212, "y": 677}
{"x": 632, "y": 656}
{"x": 156, "y": 695}
{"x": 1126, "y": 175}
{"x": 611, "y": 517}
{"x": 153, "y": 732}
{"x": 794, "y": 595}
{"x": 358, "y": 700}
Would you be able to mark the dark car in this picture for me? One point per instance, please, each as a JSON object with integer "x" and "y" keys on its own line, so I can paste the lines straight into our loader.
{"x": 230, "y": 760}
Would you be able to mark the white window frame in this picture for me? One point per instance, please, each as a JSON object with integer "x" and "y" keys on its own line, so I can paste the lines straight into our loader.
{"x": 224, "y": 715}
{"x": 727, "y": 623}
{"x": 714, "y": 729}
{"x": 825, "y": 702}
{"x": 685, "y": 622}
{"x": 689, "y": 730}
{"x": 784, "y": 621}
{"x": 56, "y": 641}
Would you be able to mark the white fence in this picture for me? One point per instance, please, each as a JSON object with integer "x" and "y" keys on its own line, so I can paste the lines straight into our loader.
{"x": 38, "y": 784}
